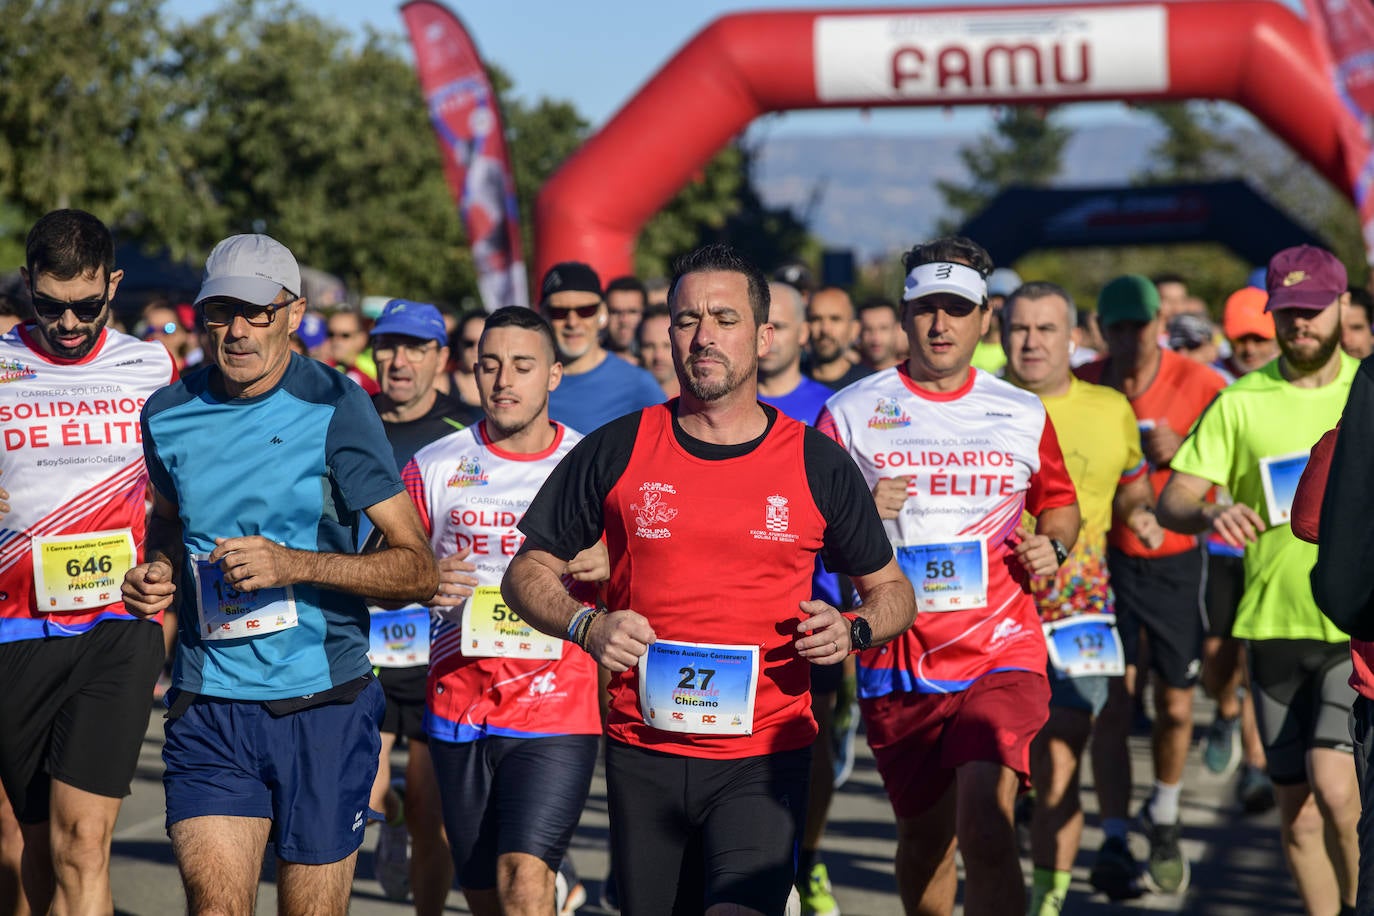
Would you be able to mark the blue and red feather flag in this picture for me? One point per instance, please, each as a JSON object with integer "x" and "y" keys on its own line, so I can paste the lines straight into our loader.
{"x": 1345, "y": 33}
{"x": 467, "y": 121}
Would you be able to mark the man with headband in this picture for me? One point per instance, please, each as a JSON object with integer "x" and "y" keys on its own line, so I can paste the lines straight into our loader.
{"x": 955, "y": 458}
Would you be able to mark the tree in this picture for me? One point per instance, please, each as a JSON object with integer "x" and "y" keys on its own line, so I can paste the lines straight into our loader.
{"x": 1194, "y": 146}
{"x": 1026, "y": 147}
{"x": 82, "y": 108}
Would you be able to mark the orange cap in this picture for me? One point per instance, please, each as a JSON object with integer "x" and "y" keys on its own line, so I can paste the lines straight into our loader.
{"x": 1245, "y": 314}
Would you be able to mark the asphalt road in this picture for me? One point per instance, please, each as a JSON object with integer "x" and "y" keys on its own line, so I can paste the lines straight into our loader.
{"x": 1238, "y": 867}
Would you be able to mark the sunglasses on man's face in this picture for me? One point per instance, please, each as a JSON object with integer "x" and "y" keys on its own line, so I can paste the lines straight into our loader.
{"x": 85, "y": 310}
{"x": 557, "y": 313}
{"x": 219, "y": 312}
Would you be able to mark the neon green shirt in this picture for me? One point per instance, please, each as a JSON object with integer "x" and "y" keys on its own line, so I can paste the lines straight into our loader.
{"x": 1241, "y": 442}
{"x": 990, "y": 357}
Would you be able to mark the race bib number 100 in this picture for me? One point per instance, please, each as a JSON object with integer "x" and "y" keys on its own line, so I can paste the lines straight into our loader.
{"x": 81, "y": 572}
{"x": 947, "y": 577}
{"x": 699, "y": 688}
{"x": 492, "y": 629}
{"x": 227, "y": 613}
{"x": 399, "y": 639}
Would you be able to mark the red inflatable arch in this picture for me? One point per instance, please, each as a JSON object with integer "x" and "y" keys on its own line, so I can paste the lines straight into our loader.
{"x": 1255, "y": 53}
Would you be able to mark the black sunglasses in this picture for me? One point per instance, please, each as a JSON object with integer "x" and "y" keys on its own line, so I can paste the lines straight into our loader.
{"x": 583, "y": 311}
{"x": 85, "y": 310}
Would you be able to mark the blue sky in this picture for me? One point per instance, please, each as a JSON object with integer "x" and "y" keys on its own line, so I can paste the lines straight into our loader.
{"x": 596, "y": 54}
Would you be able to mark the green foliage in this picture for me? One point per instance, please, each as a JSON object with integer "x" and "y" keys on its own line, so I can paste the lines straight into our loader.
{"x": 722, "y": 205}
{"x": 1026, "y": 148}
{"x": 1195, "y": 146}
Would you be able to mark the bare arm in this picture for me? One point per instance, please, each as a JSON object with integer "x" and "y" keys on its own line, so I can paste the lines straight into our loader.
{"x": 403, "y": 570}
{"x": 1133, "y": 506}
{"x": 150, "y": 586}
{"x": 1035, "y": 552}
{"x": 887, "y": 602}
{"x": 533, "y": 587}
{"x": 1183, "y": 508}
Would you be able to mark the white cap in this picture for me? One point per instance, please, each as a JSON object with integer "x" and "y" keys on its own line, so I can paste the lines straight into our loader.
{"x": 945, "y": 277}
{"x": 1003, "y": 282}
{"x": 249, "y": 268}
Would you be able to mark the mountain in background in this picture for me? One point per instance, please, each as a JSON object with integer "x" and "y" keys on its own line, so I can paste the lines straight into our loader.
{"x": 877, "y": 194}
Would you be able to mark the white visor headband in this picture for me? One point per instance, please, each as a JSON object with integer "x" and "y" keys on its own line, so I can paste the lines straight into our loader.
{"x": 945, "y": 277}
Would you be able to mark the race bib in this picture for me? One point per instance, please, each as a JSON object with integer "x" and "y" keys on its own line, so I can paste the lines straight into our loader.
{"x": 947, "y": 577}
{"x": 492, "y": 629}
{"x": 226, "y": 613}
{"x": 1087, "y": 644}
{"x": 399, "y": 639}
{"x": 81, "y": 572}
{"x": 1280, "y": 475}
{"x": 699, "y": 688}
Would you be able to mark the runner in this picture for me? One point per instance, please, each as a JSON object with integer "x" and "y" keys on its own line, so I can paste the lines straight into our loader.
{"x": 954, "y": 456}
{"x": 1157, "y": 590}
{"x": 834, "y": 328}
{"x": 595, "y": 389}
{"x": 1255, "y": 440}
{"x": 410, "y": 344}
{"x": 512, "y": 714}
{"x": 1101, "y": 445}
{"x": 710, "y": 728}
{"x": 76, "y": 669}
{"x": 261, "y": 464}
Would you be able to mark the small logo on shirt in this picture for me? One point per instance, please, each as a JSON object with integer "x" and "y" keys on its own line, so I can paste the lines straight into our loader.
{"x": 542, "y": 684}
{"x": 11, "y": 370}
{"x": 652, "y": 514}
{"x": 776, "y": 517}
{"x": 468, "y": 473}
{"x": 997, "y": 413}
{"x": 888, "y": 415}
{"x": 1005, "y": 629}
{"x": 359, "y": 820}
{"x": 275, "y": 440}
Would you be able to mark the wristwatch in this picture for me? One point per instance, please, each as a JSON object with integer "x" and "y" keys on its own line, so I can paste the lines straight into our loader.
{"x": 1061, "y": 553}
{"x": 860, "y": 634}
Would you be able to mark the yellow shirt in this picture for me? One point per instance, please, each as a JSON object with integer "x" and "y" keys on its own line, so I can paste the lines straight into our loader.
{"x": 1101, "y": 444}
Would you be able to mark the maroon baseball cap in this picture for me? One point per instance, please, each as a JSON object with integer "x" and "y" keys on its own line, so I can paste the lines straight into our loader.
{"x": 1304, "y": 277}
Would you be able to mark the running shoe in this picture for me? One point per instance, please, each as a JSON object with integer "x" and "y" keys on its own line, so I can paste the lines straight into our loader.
{"x": 391, "y": 860}
{"x": 1116, "y": 872}
{"x": 569, "y": 894}
{"x": 1167, "y": 870}
{"x": 1045, "y": 903}
{"x": 1254, "y": 790}
{"x": 817, "y": 898}
{"x": 1221, "y": 745}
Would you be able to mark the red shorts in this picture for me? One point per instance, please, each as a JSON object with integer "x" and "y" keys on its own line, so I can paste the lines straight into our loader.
{"x": 919, "y": 740}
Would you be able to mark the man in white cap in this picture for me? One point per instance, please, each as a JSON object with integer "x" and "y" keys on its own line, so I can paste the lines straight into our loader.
{"x": 955, "y": 458}
{"x": 261, "y": 465}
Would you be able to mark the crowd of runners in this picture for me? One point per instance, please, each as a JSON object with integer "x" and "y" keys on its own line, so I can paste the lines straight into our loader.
{"x": 704, "y": 531}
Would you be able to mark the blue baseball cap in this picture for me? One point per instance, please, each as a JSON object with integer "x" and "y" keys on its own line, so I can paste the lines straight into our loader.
{"x": 412, "y": 319}
{"x": 314, "y": 330}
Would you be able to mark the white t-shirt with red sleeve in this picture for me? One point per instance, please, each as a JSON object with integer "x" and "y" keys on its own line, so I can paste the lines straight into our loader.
{"x": 977, "y": 458}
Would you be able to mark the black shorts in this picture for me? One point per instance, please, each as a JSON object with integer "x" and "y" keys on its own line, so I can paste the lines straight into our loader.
{"x": 1302, "y": 701}
{"x": 1225, "y": 585}
{"x": 75, "y": 709}
{"x": 689, "y": 833}
{"x": 1163, "y": 596}
{"x": 405, "y": 701}
{"x": 502, "y": 795}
